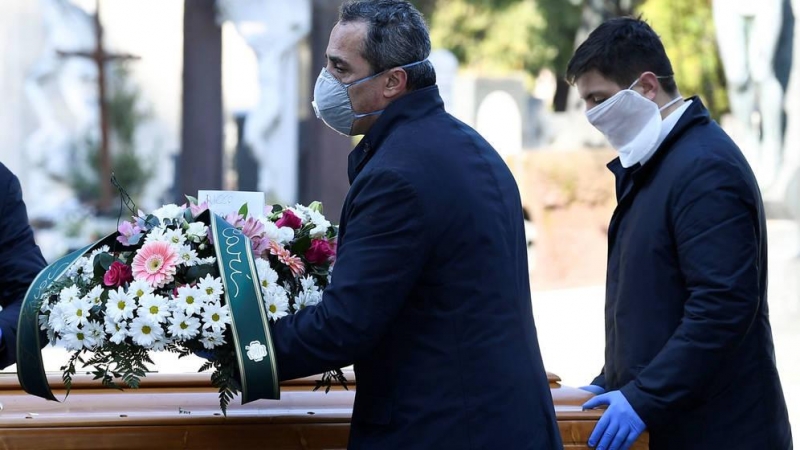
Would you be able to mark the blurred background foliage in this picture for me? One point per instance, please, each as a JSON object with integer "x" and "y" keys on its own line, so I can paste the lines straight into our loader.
{"x": 496, "y": 37}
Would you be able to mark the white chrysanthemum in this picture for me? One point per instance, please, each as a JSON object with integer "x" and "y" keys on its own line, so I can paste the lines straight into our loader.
{"x": 73, "y": 339}
{"x": 196, "y": 232}
{"x": 95, "y": 336}
{"x": 206, "y": 261}
{"x": 187, "y": 256}
{"x": 266, "y": 275}
{"x": 212, "y": 338}
{"x": 94, "y": 295}
{"x": 171, "y": 211}
{"x": 216, "y": 316}
{"x": 57, "y": 320}
{"x": 72, "y": 270}
{"x": 145, "y": 331}
{"x": 276, "y": 302}
{"x": 308, "y": 283}
{"x": 320, "y": 224}
{"x": 140, "y": 288}
{"x": 183, "y": 327}
{"x": 117, "y": 330}
{"x": 307, "y": 298}
{"x": 159, "y": 345}
{"x": 189, "y": 300}
{"x": 280, "y": 235}
{"x": 175, "y": 237}
{"x": 157, "y": 234}
{"x": 209, "y": 285}
{"x": 68, "y": 294}
{"x": 76, "y": 312}
{"x": 154, "y": 307}
{"x": 120, "y": 305}
{"x": 97, "y": 251}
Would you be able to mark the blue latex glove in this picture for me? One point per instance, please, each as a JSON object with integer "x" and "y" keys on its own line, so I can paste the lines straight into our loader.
{"x": 619, "y": 427}
{"x": 596, "y": 390}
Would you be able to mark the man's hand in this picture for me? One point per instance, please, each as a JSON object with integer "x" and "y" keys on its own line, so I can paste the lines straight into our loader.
{"x": 594, "y": 389}
{"x": 619, "y": 427}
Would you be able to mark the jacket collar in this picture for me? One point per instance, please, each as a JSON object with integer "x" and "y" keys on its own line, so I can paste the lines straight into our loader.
{"x": 412, "y": 106}
{"x": 696, "y": 114}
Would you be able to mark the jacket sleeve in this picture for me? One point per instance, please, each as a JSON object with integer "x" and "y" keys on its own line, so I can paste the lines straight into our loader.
{"x": 20, "y": 262}
{"x": 600, "y": 380}
{"x": 378, "y": 262}
{"x": 717, "y": 237}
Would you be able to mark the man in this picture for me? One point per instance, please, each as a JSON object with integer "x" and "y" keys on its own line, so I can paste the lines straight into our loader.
{"x": 430, "y": 295}
{"x": 20, "y": 262}
{"x": 689, "y": 351}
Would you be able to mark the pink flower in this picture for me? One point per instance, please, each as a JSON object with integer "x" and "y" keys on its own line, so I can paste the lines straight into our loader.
{"x": 117, "y": 275}
{"x": 129, "y": 233}
{"x": 320, "y": 252}
{"x": 289, "y": 219}
{"x": 294, "y": 263}
{"x": 155, "y": 263}
{"x": 252, "y": 227}
{"x": 198, "y": 209}
{"x": 235, "y": 219}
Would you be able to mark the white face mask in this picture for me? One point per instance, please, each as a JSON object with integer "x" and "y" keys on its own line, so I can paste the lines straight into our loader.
{"x": 630, "y": 122}
{"x": 333, "y": 105}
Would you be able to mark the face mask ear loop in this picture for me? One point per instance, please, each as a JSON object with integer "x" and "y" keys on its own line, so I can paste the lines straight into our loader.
{"x": 670, "y": 103}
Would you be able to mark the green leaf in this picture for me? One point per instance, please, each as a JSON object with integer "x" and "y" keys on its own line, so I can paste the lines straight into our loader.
{"x": 195, "y": 273}
{"x": 151, "y": 221}
{"x": 301, "y": 245}
{"x": 101, "y": 263}
{"x": 243, "y": 210}
{"x": 192, "y": 200}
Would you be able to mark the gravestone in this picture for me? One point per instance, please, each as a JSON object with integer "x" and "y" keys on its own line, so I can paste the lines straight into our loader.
{"x": 445, "y": 64}
{"x": 499, "y": 121}
{"x": 497, "y": 107}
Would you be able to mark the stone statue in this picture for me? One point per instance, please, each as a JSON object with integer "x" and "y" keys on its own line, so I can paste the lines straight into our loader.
{"x": 273, "y": 29}
{"x": 748, "y": 34}
{"x": 63, "y": 95}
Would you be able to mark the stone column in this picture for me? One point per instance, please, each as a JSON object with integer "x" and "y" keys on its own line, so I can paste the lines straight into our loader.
{"x": 200, "y": 162}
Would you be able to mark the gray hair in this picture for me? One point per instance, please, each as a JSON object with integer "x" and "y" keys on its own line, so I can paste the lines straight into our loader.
{"x": 396, "y": 35}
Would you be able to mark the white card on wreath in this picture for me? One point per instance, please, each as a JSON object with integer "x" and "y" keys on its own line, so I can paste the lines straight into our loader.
{"x": 225, "y": 202}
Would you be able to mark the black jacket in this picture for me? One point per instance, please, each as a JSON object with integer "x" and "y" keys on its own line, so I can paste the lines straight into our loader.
{"x": 430, "y": 294}
{"x": 20, "y": 261}
{"x": 688, "y": 338}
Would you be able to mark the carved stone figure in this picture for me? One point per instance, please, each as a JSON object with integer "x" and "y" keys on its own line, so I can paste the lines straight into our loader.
{"x": 273, "y": 29}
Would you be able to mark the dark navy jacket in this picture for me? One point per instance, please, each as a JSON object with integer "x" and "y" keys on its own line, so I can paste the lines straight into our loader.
{"x": 430, "y": 294}
{"x": 688, "y": 338}
{"x": 20, "y": 261}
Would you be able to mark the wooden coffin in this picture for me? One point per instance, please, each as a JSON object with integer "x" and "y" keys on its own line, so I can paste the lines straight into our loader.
{"x": 182, "y": 412}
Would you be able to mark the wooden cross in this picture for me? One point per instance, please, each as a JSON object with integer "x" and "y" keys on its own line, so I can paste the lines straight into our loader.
{"x": 100, "y": 57}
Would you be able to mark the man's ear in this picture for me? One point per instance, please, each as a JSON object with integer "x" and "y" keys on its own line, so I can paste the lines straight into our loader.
{"x": 396, "y": 83}
{"x": 650, "y": 85}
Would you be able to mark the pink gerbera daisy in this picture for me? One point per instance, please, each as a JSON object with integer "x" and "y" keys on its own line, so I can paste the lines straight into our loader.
{"x": 285, "y": 256}
{"x": 155, "y": 263}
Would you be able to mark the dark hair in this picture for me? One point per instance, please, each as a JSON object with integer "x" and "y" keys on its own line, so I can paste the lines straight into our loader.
{"x": 621, "y": 49}
{"x": 396, "y": 35}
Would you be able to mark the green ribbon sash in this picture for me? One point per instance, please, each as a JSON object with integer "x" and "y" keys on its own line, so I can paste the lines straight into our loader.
{"x": 251, "y": 333}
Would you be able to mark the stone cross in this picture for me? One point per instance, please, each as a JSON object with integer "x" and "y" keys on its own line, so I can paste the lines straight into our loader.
{"x": 100, "y": 57}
